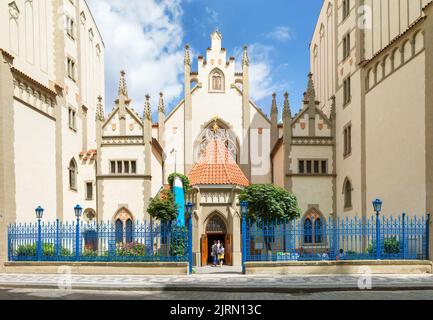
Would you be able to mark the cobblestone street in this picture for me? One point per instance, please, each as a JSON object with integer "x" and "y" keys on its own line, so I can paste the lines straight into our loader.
{"x": 39, "y": 294}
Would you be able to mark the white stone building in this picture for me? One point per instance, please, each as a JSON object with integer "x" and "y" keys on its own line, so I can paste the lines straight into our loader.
{"x": 365, "y": 129}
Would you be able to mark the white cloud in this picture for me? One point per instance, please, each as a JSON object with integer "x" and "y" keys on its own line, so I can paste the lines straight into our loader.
{"x": 145, "y": 39}
{"x": 262, "y": 83}
{"x": 281, "y": 34}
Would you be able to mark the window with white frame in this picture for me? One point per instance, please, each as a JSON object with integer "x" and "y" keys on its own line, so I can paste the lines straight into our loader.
{"x": 313, "y": 166}
{"x": 72, "y": 115}
{"x": 124, "y": 167}
{"x": 71, "y": 68}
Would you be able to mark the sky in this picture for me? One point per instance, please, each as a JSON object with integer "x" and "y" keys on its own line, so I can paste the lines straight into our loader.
{"x": 146, "y": 38}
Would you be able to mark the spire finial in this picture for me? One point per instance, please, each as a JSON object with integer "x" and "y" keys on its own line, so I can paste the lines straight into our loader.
{"x": 274, "y": 103}
{"x": 245, "y": 59}
{"x": 147, "y": 109}
{"x": 286, "y": 111}
{"x": 161, "y": 105}
{"x": 311, "y": 92}
{"x": 187, "y": 59}
{"x": 99, "y": 110}
{"x": 123, "y": 90}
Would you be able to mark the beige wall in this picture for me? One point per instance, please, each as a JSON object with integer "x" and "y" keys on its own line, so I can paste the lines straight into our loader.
{"x": 396, "y": 140}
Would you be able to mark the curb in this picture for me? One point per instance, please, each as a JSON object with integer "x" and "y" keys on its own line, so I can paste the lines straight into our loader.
{"x": 230, "y": 289}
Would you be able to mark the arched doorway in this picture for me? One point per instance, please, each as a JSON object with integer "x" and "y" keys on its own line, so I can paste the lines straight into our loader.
{"x": 215, "y": 230}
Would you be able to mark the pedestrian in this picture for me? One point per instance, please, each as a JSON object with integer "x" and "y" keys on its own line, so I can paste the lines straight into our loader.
{"x": 214, "y": 254}
{"x": 221, "y": 255}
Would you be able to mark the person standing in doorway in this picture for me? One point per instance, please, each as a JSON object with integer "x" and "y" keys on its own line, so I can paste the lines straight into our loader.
{"x": 214, "y": 254}
{"x": 221, "y": 255}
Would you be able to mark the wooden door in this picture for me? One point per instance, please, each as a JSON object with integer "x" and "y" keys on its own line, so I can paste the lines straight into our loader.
{"x": 204, "y": 250}
{"x": 228, "y": 250}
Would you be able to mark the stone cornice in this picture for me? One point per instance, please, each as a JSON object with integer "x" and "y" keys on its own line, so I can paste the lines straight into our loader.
{"x": 25, "y": 78}
{"x": 313, "y": 141}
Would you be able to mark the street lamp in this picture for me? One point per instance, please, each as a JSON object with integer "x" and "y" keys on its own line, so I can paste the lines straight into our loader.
{"x": 39, "y": 212}
{"x": 189, "y": 212}
{"x": 78, "y": 210}
{"x": 244, "y": 212}
{"x": 377, "y": 205}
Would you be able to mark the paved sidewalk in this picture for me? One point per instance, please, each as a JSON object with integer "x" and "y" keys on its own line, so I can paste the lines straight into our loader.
{"x": 215, "y": 282}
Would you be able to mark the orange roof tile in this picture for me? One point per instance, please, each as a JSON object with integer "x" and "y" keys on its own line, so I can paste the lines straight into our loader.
{"x": 217, "y": 166}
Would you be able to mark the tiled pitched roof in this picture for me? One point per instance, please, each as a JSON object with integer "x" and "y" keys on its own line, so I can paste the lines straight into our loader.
{"x": 217, "y": 166}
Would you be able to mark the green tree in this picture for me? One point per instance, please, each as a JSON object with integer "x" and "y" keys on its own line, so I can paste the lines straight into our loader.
{"x": 163, "y": 207}
{"x": 268, "y": 203}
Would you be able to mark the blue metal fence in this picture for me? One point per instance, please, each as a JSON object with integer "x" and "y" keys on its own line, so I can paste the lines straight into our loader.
{"x": 79, "y": 241}
{"x": 387, "y": 238}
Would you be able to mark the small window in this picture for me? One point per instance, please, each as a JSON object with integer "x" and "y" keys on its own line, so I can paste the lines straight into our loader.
{"x": 347, "y": 91}
{"x": 346, "y": 8}
{"x": 309, "y": 166}
{"x": 73, "y": 174}
{"x": 113, "y": 167}
{"x": 347, "y": 140}
{"x": 126, "y": 167}
{"x": 89, "y": 190}
{"x": 216, "y": 81}
{"x": 346, "y": 46}
{"x": 301, "y": 166}
{"x": 70, "y": 27}
{"x": 119, "y": 167}
{"x": 71, "y": 69}
{"x": 133, "y": 167}
{"x": 316, "y": 166}
{"x": 347, "y": 194}
{"x": 72, "y": 118}
{"x": 324, "y": 166}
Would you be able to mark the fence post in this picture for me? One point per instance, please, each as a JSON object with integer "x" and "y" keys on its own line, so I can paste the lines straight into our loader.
{"x": 403, "y": 240}
{"x": 57, "y": 247}
{"x": 244, "y": 210}
{"x": 378, "y": 246}
{"x": 77, "y": 240}
{"x": 8, "y": 230}
{"x": 189, "y": 211}
{"x": 39, "y": 244}
{"x": 427, "y": 230}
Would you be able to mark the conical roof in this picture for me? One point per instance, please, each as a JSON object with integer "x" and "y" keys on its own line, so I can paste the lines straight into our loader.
{"x": 217, "y": 167}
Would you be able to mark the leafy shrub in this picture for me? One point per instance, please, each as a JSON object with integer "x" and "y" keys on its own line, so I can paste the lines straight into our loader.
{"x": 390, "y": 246}
{"x": 163, "y": 207}
{"x": 48, "y": 250}
{"x": 89, "y": 253}
{"x": 133, "y": 249}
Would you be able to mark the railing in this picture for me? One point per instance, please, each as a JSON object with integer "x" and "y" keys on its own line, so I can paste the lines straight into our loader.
{"x": 337, "y": 239}
{"x": 57, "y": 241}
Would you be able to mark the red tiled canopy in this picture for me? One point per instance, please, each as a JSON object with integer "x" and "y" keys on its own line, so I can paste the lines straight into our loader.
{"x": 217, "y": 166}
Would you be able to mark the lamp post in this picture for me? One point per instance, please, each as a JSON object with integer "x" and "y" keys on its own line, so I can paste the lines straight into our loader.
{"x": 377, "y": 206}
{"x": 244, "y": 212}
{"x": 77, "y": 210}
{"x": 189, "y": 212}
{"x": 39, "y": 214}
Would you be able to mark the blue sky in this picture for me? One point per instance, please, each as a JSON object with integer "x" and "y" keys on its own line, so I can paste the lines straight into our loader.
{"x": 146, "y": 38}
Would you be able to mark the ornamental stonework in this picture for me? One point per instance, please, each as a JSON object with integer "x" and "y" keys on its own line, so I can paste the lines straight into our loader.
{"x": 33, "y": 96}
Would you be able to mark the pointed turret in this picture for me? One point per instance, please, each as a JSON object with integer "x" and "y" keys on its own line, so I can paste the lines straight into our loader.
{"x": 187, "y": 58}
{"x": 287, "y": 112}
{"x": 274, "y": 121}
{"x": 147, "y": 112}
{"x": 246, "y": 118}
{"x": 311, "y": 92}
{"x": 287, "y": 139}
{"x": 100, "y": 110}
{"x": 245, "y": 59}
{"x": 161, "y": 122}
{"x": 123, "y": 90}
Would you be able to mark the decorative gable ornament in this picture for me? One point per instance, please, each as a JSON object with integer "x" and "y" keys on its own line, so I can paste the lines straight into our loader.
{"x": 303, "y": 125}
{"x": 14, "y": 12}
{"x": 131, "y": 127}
{"x": 113, "y": 126}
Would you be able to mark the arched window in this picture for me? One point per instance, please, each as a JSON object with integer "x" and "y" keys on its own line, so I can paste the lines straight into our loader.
{"x": 73, "y": 174}
{"x": 347, "y": 194}
{"x": 308, "y": 231}
{"x": 313, "y": 227}
{"x": 216, "y": 80}
{"x": 124, "y": 227}
{"x": 216, "y": 225}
